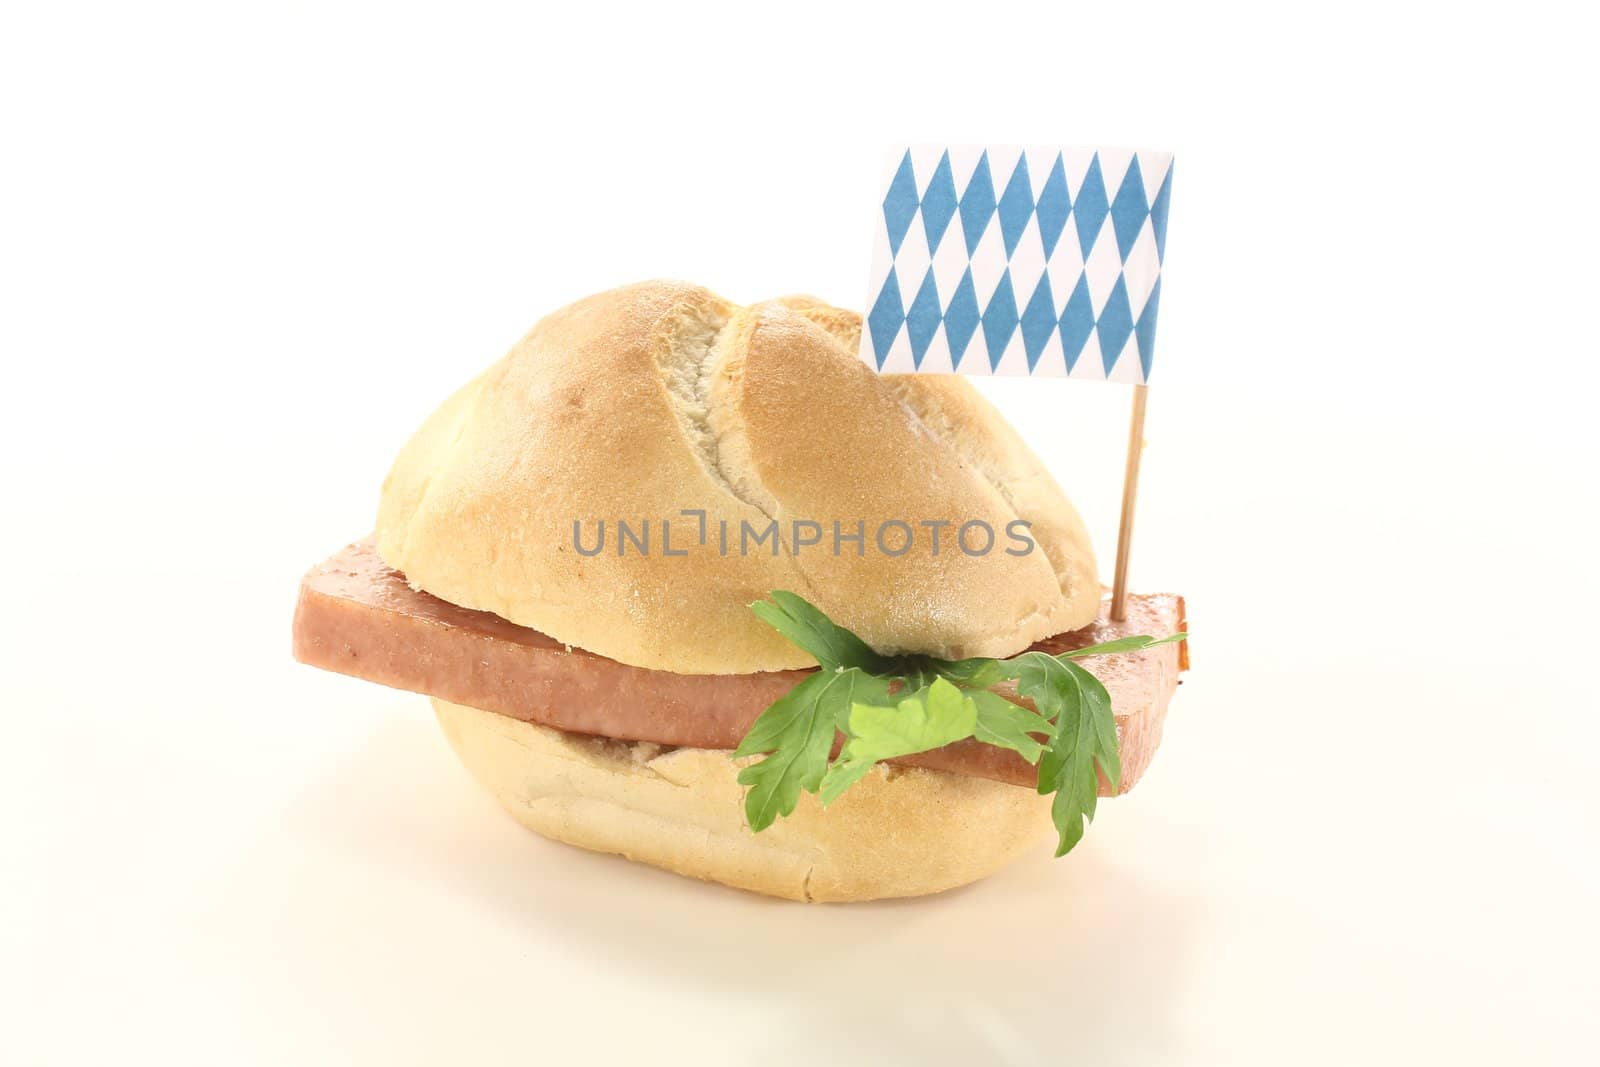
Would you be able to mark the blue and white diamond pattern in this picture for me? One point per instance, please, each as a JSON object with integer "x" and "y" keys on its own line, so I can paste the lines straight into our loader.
{"x": 1019, "y": 261}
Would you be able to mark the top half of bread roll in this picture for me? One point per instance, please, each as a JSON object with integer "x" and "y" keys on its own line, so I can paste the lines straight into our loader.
{"x": 652, "y": 400}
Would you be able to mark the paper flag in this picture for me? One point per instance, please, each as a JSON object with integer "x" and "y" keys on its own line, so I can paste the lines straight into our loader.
{"x": 1019, "y": 261}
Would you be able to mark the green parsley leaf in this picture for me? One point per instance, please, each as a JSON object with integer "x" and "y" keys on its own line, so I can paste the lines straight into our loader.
{"x": 1136, "y": 643}
{"x": 1006, "y": 725}
{"x": 972, "y": 673}
{"x": 1085, "y": 734}
{"x": 1044, "y": 679}
{"x": 931, "y": 718}
{"x": 833, "y": 646}
{"x": 798, "y": 730}
{"x": 1098, "y": 703}
{"x": 841, "y": 776}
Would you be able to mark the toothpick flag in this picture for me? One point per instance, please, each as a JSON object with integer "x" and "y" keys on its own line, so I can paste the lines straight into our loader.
{"x": 1011, "y": 261}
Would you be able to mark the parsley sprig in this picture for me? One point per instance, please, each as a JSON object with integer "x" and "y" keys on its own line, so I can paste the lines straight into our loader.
{"x": 890, "y": 706}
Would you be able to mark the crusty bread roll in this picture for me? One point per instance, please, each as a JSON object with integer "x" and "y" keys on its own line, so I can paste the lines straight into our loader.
{"x": 642, "y": 402}
{"x": 898, "y": 832}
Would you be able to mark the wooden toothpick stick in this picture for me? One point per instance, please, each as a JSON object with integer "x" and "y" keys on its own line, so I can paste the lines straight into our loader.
{"x": 1130, "y": 490}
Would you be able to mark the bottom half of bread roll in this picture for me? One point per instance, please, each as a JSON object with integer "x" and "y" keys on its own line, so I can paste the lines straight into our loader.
{"x": 901, "y": 831}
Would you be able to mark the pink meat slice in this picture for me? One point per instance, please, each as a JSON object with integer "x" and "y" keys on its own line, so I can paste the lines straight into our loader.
{"x": 357, "y": 616}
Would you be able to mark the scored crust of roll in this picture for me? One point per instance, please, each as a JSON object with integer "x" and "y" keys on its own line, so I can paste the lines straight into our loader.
{"x": 642, "y": 402}
{"x": 898, "y": 832}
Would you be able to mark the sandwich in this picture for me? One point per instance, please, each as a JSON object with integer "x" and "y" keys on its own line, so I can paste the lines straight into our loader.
{"x": 689, "y": 583}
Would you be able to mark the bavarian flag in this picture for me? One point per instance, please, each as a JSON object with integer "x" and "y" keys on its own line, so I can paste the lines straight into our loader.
{"x": 1019, "y": 261}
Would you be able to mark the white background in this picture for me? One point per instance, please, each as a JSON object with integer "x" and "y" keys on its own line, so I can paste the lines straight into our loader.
{"x": 242, "y": 254}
